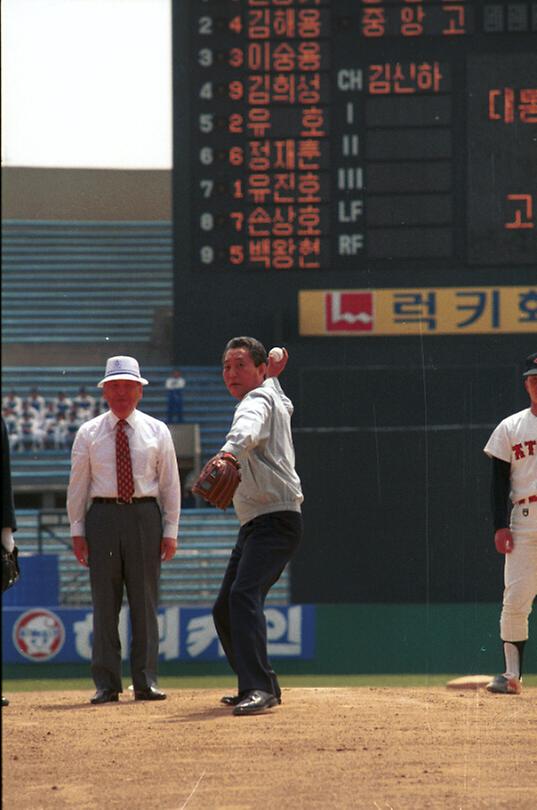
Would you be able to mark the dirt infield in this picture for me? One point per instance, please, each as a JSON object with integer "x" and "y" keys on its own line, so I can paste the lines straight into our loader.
{"x": 323, "y": 748}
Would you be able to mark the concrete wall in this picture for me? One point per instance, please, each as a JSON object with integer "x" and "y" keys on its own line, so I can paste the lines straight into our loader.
{"x": 85, "y": 194}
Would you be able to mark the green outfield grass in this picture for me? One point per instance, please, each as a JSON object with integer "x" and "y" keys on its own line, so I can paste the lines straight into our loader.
{"x": 227, "y": 683}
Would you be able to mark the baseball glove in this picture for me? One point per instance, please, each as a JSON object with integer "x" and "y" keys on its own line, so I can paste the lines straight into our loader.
{"x": 10, "y": 568}
{"x": 218, "y": 480}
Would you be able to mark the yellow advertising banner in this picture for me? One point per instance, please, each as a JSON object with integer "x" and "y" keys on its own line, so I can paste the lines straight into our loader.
{"x": 418, "y": 311}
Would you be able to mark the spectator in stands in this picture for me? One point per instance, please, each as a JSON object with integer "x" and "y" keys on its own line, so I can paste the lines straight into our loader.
{"x": 101, "y": 406}
{"x": 124, "y": 462}
{"x": 50, "y": 423}
{"x": 9, "y": 521}
{"x": 73, "y": 422}
{"x": 37, "y": 402}
{"x": 61, "y": 436}
{"x": 62, "y": 403}
{"x": 84, "y": 404}
{"x": 174, "y": 386}
{"x": 11, "y": 420}
{"x": 30, "y": 434}
{"x": 12, "y": 401}
{"x": 35, "y": 406}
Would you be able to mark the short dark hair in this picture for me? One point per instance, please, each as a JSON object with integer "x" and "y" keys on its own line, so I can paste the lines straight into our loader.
{"x": 257, "y": 351}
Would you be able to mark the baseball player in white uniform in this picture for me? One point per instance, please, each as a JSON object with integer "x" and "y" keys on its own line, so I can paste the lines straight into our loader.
{"x": 513, "y": 450}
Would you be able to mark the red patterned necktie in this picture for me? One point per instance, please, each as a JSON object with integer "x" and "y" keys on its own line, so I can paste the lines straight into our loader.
{"x": 125, "y": 483}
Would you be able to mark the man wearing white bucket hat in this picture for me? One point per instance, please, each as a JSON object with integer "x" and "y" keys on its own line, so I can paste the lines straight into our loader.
{"x": 124, "y": 465}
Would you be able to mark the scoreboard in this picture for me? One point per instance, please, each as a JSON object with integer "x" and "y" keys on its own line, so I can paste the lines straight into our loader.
{"x": 357, "y": 180}
{"x": 349, "y": 135}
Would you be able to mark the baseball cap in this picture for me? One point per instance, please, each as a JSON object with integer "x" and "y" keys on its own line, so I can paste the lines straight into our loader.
{"x": 122, "y": 368}
{"x": 531, "y": 365}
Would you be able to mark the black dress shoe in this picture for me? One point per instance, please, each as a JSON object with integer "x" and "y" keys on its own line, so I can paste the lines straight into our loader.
{"x": 151, "y": 693}
{"x": 234, "y": 700}
{"x": 231, "y": 700}
{"x": 255, "y": 702}
{"x": 105, "y": 696}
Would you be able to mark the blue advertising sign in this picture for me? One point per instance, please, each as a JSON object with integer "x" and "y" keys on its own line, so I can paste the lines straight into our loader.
{"x": 64, "y": 635}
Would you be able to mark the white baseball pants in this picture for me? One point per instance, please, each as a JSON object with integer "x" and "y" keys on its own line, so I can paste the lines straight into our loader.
{"x": 520, "y": 574}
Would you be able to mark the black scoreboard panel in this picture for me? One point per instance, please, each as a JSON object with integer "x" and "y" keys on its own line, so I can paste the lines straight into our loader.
{"x": 346, "y": 172}
{"x": 355, "y": 136}
{"x": 502, "y": 158}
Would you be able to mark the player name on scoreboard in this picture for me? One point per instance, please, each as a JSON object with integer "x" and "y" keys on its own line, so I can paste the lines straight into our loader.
{"x": 429, "y": 311}
{"x": 332, "y": 135}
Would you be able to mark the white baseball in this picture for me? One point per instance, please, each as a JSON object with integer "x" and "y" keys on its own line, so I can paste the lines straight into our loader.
{"x": 276, "y": 353}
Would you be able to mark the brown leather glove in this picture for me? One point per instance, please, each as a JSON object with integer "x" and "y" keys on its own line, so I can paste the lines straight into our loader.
{"x": 218, "y": 480}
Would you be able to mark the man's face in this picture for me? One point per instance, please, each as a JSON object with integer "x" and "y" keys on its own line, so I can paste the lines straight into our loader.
{"x": 530, "y": 383}
{"x": 122, "y": 396}
{"x": 240, "y": 373}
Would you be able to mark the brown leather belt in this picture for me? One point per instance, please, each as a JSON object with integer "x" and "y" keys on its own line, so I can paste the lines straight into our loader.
{"x": 124, "y": 503}
{"x": 531, "y": 499}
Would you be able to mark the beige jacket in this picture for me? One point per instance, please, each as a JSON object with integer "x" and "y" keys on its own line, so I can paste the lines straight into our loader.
{"x": 260, "y": 437}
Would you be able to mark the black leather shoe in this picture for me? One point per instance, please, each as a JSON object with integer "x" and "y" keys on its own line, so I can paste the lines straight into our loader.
{"x": 231, "y": 700}
{"x": 151, "y": 693}
{"x": 234, "y": 700}
{"x": 105, "y": 696}
{"x": 255, "y": 702}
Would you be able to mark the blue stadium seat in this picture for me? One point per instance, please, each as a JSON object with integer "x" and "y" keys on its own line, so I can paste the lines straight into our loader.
{"x": 193, "y": 577}
{"x": 48, "y": 267}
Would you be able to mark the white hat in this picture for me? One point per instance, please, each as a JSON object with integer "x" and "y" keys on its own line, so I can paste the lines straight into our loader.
{"x": 122, "y": 368}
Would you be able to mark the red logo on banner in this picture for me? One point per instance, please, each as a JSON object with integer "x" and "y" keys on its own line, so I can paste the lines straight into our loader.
{"x": 38, "y": 634}
{"x": 349, "y": 312}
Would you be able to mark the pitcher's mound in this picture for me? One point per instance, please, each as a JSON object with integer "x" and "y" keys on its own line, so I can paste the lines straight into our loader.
{"x": 469, "y": 682}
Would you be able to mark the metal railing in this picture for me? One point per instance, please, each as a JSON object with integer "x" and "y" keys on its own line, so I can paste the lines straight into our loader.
{"x": 48, "y": 523}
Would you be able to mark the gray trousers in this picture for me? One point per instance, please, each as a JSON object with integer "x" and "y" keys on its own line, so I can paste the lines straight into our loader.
{"x": 124, "y": 551}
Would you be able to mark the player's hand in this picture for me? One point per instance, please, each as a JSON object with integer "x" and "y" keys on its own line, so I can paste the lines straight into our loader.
{"x": 80, "y": 550}
{"x": 168, "y": 547}
{"x": 503, "y": 540}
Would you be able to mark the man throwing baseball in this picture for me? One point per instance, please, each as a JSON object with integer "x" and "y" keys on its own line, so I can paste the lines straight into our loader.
{"x": 513, "y": 450}
{"x": 267, "y": 502}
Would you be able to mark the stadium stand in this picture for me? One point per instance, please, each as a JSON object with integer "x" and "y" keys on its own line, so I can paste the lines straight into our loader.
{"x": 72, "y": 283}
{"x": 84, "y": 281}
{"x": 206, "y": 402}
{"x": 192, "y": 578}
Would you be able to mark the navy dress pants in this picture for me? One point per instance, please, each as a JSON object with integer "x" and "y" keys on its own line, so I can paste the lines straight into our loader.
{"x": 264, "y": 547}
